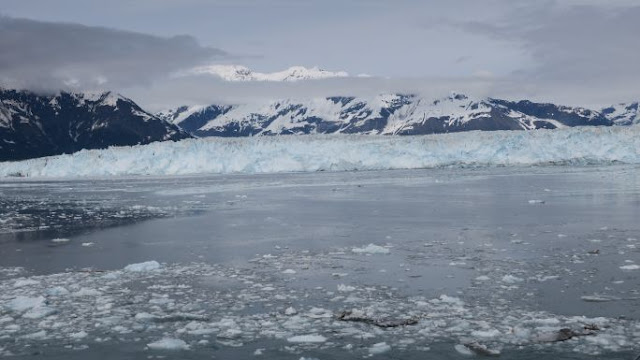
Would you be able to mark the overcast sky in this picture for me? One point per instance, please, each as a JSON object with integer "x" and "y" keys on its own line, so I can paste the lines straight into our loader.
{"x": 574, "y": 51}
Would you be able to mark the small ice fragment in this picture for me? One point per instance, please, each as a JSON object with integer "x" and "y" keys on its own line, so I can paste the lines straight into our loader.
{"x": 36, "y": 336}
{"x": 144, "y": 266}
{"x": 463, "y": 349}
{"x": 168, "y": 344}
{"x": 510, "y": 279}
{"x": 290, "y": 311}
{"x": 39, "y": 312}
{"x": 87, "y": 244}
{"x": 24, "y": 303}
{"x": 598, "y": 298}
{"x": 311, "y": 338}
{"x": 258, "y": 352}
{"x": 230, "y": 334}
{"x": 144, "y": 316}
{"x": 60, "y": 240}
{"x": 345, "y": 288}
{"x": 535, "y": 201}
{"x": 25, "y": 282}
{"x": 486, "y": 333}
{"x": 379, "y": 348}
{"x": 87, "y": 292}
{"x": 78, "y": 335}
{"x": 57, "y": 291}
{"x": 289, "y": 271}
{"x": 371, "y": 249}
{"x": 483, "y": 278}
{"x": 630, "y": 267}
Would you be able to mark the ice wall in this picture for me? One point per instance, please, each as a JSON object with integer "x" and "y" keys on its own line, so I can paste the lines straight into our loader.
{"x": 273, "y": 154}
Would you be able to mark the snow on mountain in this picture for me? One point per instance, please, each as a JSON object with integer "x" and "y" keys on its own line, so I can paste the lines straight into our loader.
{"x": 623, "y": 114}
{"x": 387, "y": 114}
{"x": 242, "y": 73}
{"x": 579, "y": 145}
{"x": 33, "y": 125}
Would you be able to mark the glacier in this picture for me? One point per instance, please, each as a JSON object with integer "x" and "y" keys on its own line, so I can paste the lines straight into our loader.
{"x": 277, "y": 154}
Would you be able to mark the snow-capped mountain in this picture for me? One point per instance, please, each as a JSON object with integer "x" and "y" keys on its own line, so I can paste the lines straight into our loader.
{"x": 623, "y": 114}
{"x": 33, "y": 125}
{"x": 387, "y": 114}
{"x": 242, "y": 73}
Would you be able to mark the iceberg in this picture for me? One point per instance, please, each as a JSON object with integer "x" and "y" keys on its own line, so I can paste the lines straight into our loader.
{"x": 276, "y": 154}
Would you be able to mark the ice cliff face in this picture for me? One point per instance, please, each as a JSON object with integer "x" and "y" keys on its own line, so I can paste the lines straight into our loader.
{"x": 387, "y": 114}
{"x": 271, "y": 154}
{"x": 33, "y": 125}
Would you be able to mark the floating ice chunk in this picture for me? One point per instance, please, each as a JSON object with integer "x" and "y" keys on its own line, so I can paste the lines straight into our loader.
{"x": 87, "y": 244}
{"x": 345, "y": 288}
{"x": 598, "y": 298}
{"x": 168, "y": 344}
{"x": 483, "y": 278}
{"x": 60, "y": 240}
{"x": 289, "y": 271}
{"x": 481, "y": 349}
{"x": 36, "y": 335}
{"x": 258, "y": 352}
{"x": 486, "y": 333}
{"x": 24, "y": 303}
{"x": 311, "y": 338}
{"x": 319, "y": 313}
{"x": 536, "y": 201}
{"x": 379, "y": 348}
{"x": 230, "y": 334}
{"x": 450, "y": 300}
{"x": 371, "y": 249}
{"x": 144, "y": 266}
{"x": 630, "y": 267}
{"x": 39, "y": 312}
{"x": 544, "y": 321}
{"x": 25, "y": 282}
{"x": 87, "y": 292}
{"x": 57, "y": 291}
{"x": 78, "y": 335}
{"x": 290, "y": 311}
{"x": 463, "y": 349}
{"x": 510, "y": 279}
{"x": 144, "y": 317}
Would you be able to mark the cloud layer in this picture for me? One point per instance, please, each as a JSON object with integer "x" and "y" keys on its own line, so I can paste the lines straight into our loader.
{"x": 45, "y": 55}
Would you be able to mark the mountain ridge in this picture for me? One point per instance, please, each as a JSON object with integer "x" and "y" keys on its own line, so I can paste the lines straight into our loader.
{"x": 385, "y": 114}
{"x": 36, "y": 125}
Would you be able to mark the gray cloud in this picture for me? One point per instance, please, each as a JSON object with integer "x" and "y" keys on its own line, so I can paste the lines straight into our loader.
{"x": 47, "y": 55}
{"x": 579, "y": 49}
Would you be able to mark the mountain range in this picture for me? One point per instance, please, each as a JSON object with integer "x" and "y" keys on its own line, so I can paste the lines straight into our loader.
{"x": 388, "y": 114}
{"x": 35, "y": 125}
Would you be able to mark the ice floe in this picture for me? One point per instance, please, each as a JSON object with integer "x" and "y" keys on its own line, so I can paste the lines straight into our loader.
{"x": 144, "y": 266}
{"x": 371, "y": 249}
